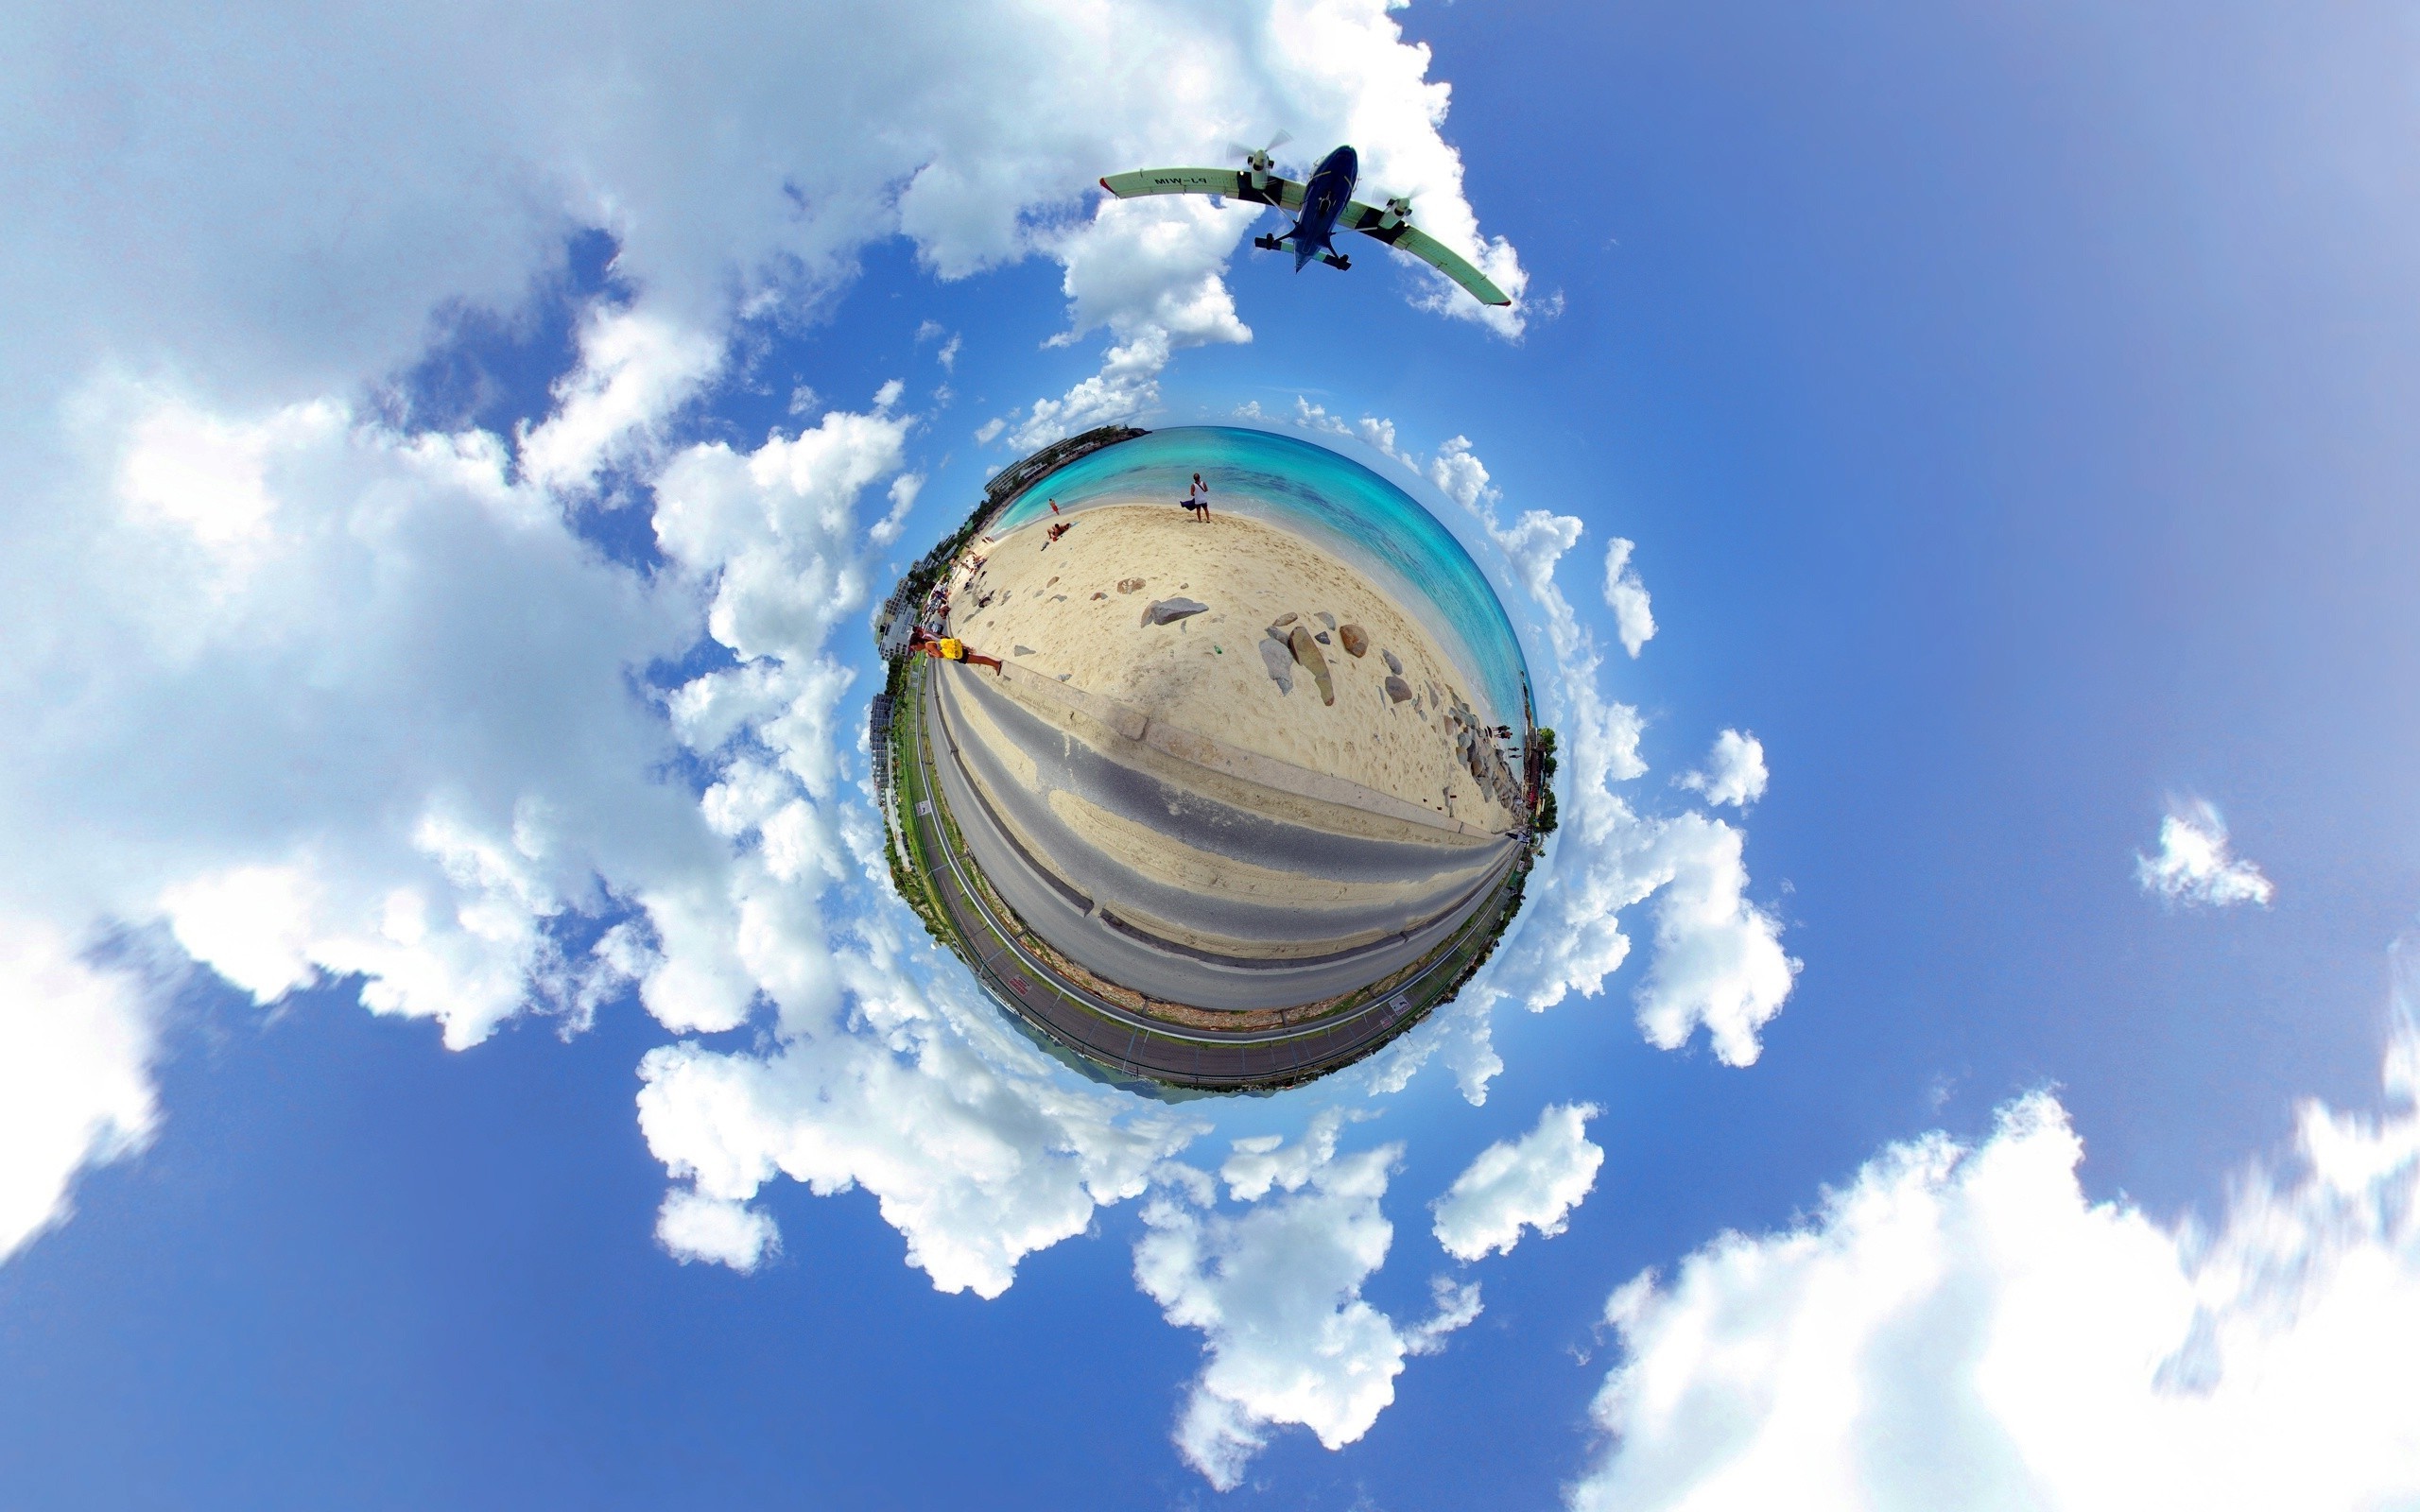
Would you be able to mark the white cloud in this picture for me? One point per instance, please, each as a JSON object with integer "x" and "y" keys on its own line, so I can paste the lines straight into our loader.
{"x": 2194, "y": 865}
{"x": 1371, "y": 431}
{"x": 1150, "y": 270}
{"x": 384, "y": 729}
{"x": 1718, "y": 960}
{"x": 1276, "y": 1290}
{"x": 637, "y": 370}
{"x": 388, "y": 582}
{"x": 1260, "y": 1161}
{"x": 1962, "y": 1327}
{"x": 693, "y": 1228}
{"x": 974, "y": 1145}
{"x": 1461, "y": 1034}
{"x": 1532, "y": 1182}
{"x": 1127, "y": 384}
{"x": 76, "y": 1045}
{"x": 1626, "y": 595}
{"x": 1734, "y": 772}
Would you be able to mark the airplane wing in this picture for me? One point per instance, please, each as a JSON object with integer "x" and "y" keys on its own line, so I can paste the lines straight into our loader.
{"x": 1408, "y": 237}
{"x": 1236, "y": 183}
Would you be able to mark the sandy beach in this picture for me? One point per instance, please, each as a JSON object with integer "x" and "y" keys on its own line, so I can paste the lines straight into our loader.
{"x": 1074, "y": 610}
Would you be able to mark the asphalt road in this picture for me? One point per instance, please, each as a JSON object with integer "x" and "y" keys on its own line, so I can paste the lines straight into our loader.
{"x": 1171, "y": 975}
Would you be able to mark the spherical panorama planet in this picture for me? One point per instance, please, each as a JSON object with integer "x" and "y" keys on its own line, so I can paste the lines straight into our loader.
{"x": 1210, "y": 752}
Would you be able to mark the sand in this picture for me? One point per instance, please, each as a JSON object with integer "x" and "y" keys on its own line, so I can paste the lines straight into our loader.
{"x": 1057, "y": 609}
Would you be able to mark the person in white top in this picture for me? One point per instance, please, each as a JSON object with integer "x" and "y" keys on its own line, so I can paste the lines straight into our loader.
{"x": 1196, "y": 501}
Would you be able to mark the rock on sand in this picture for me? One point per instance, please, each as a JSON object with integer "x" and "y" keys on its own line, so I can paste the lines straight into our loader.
{"x": 1168, "y": 610}
{"x": 1306, "y": 651}
{"x": 1280, "y": 662}
{"x": 1397, "y": 689}
{"x": 1355, "y": 639}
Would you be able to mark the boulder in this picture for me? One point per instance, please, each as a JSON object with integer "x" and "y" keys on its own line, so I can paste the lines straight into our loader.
{"x": 1397, "y": 689}
{"x": 1280, "y": 662}
{"x": 1306, "y": 651}
{"x": 1355, "y": 639}
{"x": 1395, "y": 662}
{"x": 1287, "y": 618}
{"x": 1327, "y": 619}
{"x": 1168, "y": 610}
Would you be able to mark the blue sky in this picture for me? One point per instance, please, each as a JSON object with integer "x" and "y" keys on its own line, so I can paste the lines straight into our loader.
{"x": 434, "y": 830}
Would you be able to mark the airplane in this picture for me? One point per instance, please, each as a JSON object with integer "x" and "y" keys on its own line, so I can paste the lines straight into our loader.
{"x": 1322, "y": 208}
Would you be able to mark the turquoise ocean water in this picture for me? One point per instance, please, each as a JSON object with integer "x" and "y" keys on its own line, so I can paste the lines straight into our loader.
{"x": 1333, "y": 500}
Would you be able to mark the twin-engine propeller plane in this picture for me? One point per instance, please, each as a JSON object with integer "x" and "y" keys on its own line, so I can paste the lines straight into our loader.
{"x": 1322, "y": 208}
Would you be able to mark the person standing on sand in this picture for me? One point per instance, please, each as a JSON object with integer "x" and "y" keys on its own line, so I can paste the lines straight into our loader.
{"x": 1196, "y": 502}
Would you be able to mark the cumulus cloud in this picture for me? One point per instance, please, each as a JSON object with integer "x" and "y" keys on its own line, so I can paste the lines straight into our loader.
{"x": 1734, "y": 771}
{"x": 978, "y": 1155}
{"x": 1461, "y": 1035}
{"x": 1276, "y": 1291}
{"x": 1532, "y": 1182}
{"x": 1260, "y": 1161}
{"x": 1960, "y": 1326}
{"x": 1626, "y": 595}
{"x": 637, "y": 370}
{"x": 692, "y": 1227}
{"x": 1718, "y": 960}
{"x": 2194, "y": 865}
{"x": 1370, "y": 430}
{"x": 384, "y": 729}
{"x": 519, "y": 842}
{"x": 74, "y": 1082}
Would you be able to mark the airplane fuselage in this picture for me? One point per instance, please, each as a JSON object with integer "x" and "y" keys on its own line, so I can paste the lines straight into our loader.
{"x": 1324, "y": 197}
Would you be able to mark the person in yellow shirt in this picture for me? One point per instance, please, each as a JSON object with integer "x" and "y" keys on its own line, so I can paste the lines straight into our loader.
{"x": 950, "y": 648}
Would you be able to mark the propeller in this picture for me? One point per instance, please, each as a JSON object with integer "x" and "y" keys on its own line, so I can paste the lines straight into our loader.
{"x": 1258, "y": 158}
